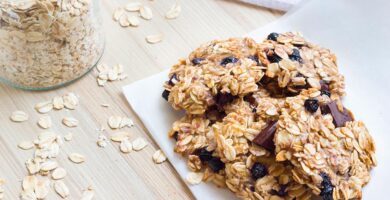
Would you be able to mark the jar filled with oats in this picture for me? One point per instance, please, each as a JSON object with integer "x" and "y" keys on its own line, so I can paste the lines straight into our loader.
{"x": 45, "y": 44}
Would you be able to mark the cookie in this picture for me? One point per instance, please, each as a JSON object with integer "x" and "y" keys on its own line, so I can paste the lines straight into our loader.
{"x": 224, "y": 151}
{"x": 293, "y": 64}
{"x": 214, "y": 75}
{"x": 331, "y": 152}
{"x": 223, "y": 70}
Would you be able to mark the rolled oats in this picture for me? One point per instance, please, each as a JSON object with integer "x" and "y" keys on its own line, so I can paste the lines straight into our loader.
{"x": 102, "y": 141}
{"x": 133, "y": 6}
{"x": 44, "y": 107}
{"x": 88, "y": 194}
{"x": 173, "y": 12}
{"x": 46, "y": 43}
{"x": 58, "y": 103}
{"x": 70, "y": 122}
{"x": 19, "y": 116}
{"x": 194, "y": 178}
{"x": 139, "y": 144}
{"x": 26, "y": 145}
{"x": 58, "y": 173}
{"x": 120, "y": 136}
{"x": 41, "y": 189}
{"x": 153, "y": 39}
{"x": 76, "y": 158}
{"x": 146, "y": 12}
{"x": 61, "y": 189}
{"x": 159, "y": 157}
{"x": 45, "y": 122}
{"x": 126, "y": 146}
{"x": 68, "y": 137}
{"x": 70, "y": 101}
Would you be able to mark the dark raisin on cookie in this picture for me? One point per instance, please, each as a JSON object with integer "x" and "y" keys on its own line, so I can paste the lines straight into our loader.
{"x": 221, "y": 99}
{"x": 175, "y": 135}
{"x": 295, "y": 56}
{"x": 203, "y": 154}
{"x": 311, "y": 105}
{"x": 255, "y": 58}
{"x": 273, "y": 58}
{"x": 258, "y": 170}
{"x": 326, "y": 187}
{"x": 197, "y": 61}
{"x": 273, "y": 36}
{"x": 165, "y": 94}
{"x": 281, "y": 192}
{"x": 228, "y": 60}
{"x": 216, "y": 164}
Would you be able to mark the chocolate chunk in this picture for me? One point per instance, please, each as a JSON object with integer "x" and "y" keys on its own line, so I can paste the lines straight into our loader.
{"x": 228, "y": 60}
{"x": 216, "y": 164}
{"x": 165, "y": 94}
{"x": 214, "y": 114}
{"x": 325, "y": 88}
{"x": 223, "y": 98}
{"x": 273, "y": 58}
{"x": 173, "y": 80}
{"x": 266, "y": 137}
{"x": 203, "y": 154}
{"x": 197, "y": 61}
{"x": 339, "y": 118}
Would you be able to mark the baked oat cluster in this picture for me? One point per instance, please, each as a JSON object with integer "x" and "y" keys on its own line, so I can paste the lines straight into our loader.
{"x": 266, "y": 120}
{"x": 46, "y": 43}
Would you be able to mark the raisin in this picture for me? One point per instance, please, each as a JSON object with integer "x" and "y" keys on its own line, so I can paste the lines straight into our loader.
{"x": 223, "y": 98}
{"x": 258, "y": 171}
{"x": 281, "y": 192}
{"x": 165, "y": 94}
{"x": 197, "y": 61}
{"x": 216, "y": 164}
{"x": 311, "y": 105}
{"x": 175, "y": 135}
{"x": 228, "y": 60}
{"x": 273, "y": 36}
{"x": 203, "y": 154}
{"x": 255, "y": 58}
{"x": 327, "y": 187}
{"x": 296, "y": 56}
{"x": 325, "y": 92}
{"x": 273, "y": 58}
{"x": 251, "y": 100}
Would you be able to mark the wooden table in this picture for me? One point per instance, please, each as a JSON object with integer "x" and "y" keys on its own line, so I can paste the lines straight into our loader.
{"x": 115, "y": 175}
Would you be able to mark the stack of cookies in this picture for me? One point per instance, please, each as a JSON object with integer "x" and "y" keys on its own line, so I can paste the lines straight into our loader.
{"x": 266, "y": 120}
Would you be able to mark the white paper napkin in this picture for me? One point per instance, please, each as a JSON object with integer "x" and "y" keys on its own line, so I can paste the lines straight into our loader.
{"x": 358, "y": 31}
{"x": 274, "y": 4}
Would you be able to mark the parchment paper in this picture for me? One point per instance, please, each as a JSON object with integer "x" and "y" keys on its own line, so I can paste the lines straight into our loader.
{"x": 358, "y": 31}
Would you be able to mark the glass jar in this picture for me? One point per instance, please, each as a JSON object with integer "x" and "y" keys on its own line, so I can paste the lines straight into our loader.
{"x": 45, "y": 44}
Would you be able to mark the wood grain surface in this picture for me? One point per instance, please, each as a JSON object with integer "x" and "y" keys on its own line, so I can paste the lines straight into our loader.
{"x": 112, "y": 174}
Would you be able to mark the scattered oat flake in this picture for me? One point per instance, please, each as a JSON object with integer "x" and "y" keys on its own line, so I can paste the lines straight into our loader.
{"x": 153, "y": 39}
{"x": 120, "y": 136}
{"x": 194, "y": 178}
{"x": 44, "y": 107}
{"x": 68, "y": 137}
{"x": 45, "y": 122}
{"x": 102, "y": 141}
{"x": 41, "y": 188}
{"x": 58, "y": 173}
{"x": 29, "y": 182}
{"x": 114, "y": 122}
{"x": 61, "y": 189}
{"x": 26, "y": 145}
{"x": 123, "y": 21}
{"x": 133, "y": 6}
{"x": 19, "y": 116}
{"x": 126, "y": 122}
{"x": 133, "y": 20}
{"x": 173, "y": 12}
{"x": 159, "y": 157}
{"x": 76, "y": 158}
{"x": 118, "y": 13}
{"x": 146, "y": 12}
{"x": 139, "y": 144}
{"x": 126, "y": 146}
{"x": 58, "y": 103}
{"x": 70, "y": 101}
{"x": 70, "y": 122}
{"x": 49, "y": 166}
{"x": 88, "y": 194}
